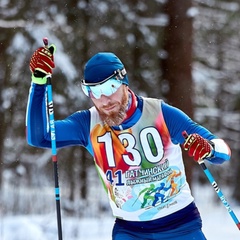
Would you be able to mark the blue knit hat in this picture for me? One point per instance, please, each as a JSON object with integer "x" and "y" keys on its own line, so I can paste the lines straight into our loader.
{"x": 101, "y": 66}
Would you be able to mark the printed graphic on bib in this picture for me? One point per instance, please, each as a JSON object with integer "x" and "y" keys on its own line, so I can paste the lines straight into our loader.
{"x": 156, "y": 192}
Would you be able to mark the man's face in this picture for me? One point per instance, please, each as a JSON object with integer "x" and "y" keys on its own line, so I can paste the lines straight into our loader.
{"x": 112, "y": 109}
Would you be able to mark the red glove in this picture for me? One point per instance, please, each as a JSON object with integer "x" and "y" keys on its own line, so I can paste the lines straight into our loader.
{"x": 42, "y": 60}
{"x": 197, "y": 147}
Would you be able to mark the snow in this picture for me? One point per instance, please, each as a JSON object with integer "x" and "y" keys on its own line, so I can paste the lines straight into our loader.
{"x": 217, "y": 223}
{"x": 192, "y": 12}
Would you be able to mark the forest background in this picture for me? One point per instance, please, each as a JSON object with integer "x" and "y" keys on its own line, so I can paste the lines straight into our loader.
{"x": 183, "y": 51}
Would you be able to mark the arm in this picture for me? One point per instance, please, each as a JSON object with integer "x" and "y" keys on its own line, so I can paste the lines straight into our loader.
{"x": 73, "y": 130}
{"x": 177, "y": 122}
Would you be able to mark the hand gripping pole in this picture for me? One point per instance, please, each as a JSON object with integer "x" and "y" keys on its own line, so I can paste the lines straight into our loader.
{"x": 216, "y": 188}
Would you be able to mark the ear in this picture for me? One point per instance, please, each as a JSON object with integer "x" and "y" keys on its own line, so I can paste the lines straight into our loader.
{"x": 125, "y": 86}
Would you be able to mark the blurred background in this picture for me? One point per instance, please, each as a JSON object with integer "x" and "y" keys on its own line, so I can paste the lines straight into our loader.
{"x": 183, "y": 51}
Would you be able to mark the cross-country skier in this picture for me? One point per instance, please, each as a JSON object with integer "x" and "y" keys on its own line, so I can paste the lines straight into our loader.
{"x": 135, "y": 141}
{"x": 158, "y": 195}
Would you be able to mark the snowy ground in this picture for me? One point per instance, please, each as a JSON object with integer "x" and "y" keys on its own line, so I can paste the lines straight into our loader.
{"x": 217, "y": 223}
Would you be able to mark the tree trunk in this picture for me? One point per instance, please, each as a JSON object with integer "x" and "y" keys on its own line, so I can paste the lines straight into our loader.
{"x": 177, "y": 71}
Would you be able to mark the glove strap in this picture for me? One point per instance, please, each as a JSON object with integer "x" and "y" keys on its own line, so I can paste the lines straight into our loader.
{"x": 213, "y": 149}
{"x": 38, "y": 80}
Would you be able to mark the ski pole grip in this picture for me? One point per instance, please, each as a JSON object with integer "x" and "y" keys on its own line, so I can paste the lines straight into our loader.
{"x": 45, "y": 41}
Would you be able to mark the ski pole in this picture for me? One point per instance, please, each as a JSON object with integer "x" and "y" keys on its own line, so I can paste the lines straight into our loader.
{"x": 54, "y": 148}
{"x": 217, "y": 188}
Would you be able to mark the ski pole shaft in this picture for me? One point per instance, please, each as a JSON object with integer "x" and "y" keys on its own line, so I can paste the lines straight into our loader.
{"x": 54, "y": 149}
{"x": 219, "y": 193}
{"x": 217, "y": 188}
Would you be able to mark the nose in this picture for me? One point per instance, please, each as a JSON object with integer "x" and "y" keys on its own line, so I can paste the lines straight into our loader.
{"x": 104, "y": 100}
